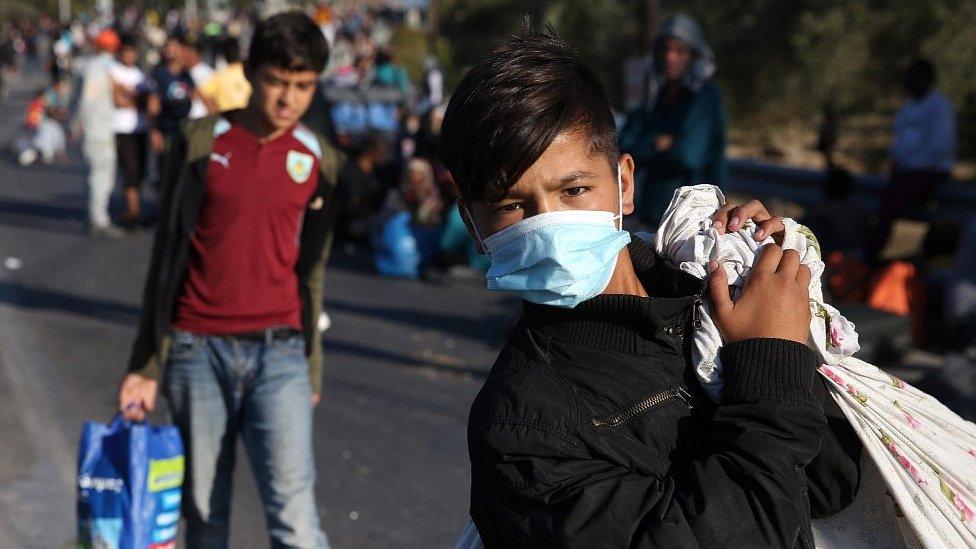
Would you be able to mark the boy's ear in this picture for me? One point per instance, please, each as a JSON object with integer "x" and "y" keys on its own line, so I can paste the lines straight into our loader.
{"x": 626, "y": 167}
{"x": 465, "y": 211}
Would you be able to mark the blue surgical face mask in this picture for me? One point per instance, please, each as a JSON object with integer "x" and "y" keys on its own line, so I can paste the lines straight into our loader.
{"x": 559, "y": 258}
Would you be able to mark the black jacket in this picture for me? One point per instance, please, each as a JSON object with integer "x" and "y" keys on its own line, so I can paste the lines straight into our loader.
{"x": 182, "y": 191}
{"x": 592, "y": 431}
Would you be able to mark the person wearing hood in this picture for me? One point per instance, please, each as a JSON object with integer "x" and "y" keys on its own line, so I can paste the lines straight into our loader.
{"x": 677, "y": 135}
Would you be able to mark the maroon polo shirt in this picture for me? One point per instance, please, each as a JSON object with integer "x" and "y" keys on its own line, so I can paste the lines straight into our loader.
{"x": 244, "y": 250}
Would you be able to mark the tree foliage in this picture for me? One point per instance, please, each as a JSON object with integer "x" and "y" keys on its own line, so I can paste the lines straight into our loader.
{"x": 779, "y": 61}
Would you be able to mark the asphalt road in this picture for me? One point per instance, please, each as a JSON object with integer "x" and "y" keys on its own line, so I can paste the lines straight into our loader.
{"x": 404, "y": 361}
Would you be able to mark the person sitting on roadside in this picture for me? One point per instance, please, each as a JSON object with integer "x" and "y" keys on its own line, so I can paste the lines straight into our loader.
{"x": 407, "y": 230}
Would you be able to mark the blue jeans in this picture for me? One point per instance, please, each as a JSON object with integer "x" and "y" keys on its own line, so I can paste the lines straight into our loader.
{"x": 217, "y": 387}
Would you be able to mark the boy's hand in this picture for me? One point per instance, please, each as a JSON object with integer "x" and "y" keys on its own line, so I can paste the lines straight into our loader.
{"x": 774, "y": 302}
{"x": 730, "y": 217}
{"x": 137, "y": 396}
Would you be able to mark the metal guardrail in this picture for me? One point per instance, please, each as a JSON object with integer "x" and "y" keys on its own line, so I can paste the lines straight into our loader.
{"x": 954, "y": 201}
{"x": 356, "y": 94}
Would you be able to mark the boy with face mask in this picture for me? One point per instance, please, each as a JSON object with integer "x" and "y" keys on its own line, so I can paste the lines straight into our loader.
{"x": 592, "y": 430}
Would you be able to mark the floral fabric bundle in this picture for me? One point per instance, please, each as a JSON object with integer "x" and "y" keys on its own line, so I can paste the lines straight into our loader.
{"x": 923, "y": 452}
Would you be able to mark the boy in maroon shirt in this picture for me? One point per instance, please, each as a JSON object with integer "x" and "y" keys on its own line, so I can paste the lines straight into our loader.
{"x": 234, "y": 288}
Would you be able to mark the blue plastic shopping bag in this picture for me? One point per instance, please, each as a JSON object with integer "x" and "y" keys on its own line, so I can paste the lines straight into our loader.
{"x": 129, "y": 485}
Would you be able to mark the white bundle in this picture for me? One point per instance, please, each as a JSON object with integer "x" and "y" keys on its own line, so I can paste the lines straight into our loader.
{"x": 925, "y": 453}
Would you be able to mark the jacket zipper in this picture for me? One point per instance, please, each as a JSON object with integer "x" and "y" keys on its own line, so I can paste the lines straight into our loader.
{"x": 695, "y": 316}
{"x": 643, "y": 406}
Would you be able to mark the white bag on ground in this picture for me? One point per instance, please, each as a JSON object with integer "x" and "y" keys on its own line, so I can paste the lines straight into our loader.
{"x": 924, "y": 453}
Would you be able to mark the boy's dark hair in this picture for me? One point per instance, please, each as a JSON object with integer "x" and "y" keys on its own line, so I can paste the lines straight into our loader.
{"x": 511, "y": 105}
{"x": 920, "y": 77}
{"x": 177, "y": 37}
{"x": 230, "y": 48}
{"x": 289, "y": 41}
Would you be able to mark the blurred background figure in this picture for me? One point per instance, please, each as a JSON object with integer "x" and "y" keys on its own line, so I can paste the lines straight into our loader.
{"x": 677, "y": 137}
{"x": 839, "y": 222}
{"x": 960, "y": 295}
{"x": 129, "y": 88}
{"x": 407, "y": 231}
{"x": 201, "y": 73}
{"x": 228, "y": 88}
{"x": 42, "y": 135}
{"x": 432, "y": 85}
{"x": 923, "y": 151}
{"x": 173, "y": 91}
{"x": 360, "y": 193}
{"x": 95, "y": 117}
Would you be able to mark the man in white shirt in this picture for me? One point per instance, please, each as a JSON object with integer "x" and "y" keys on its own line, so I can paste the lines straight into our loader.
{"x": 923, "y": 151}
{"x": 130, "y": 124}
{"x": 201, "y": 73}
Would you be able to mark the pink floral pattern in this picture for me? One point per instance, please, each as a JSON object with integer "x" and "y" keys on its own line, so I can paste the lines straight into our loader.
{"x": 967, "y": 513}
{"x": 857, "y": 395}
{"x": 897, "y": 382}
{"x": 908, "y": 417}
{"x": 836, "y": 336}
{"x": 902, "y": 460}
{"x": 972, "y": 452}
{"x": 832, "y": 375}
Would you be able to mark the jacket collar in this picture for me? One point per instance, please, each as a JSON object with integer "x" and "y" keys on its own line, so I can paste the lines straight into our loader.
{"x": 626, "y": 323}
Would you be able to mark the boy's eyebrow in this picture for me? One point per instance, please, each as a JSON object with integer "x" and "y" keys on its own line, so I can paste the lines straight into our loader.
{"x": 550, "y": 184}
{"x": 568, "y": 178}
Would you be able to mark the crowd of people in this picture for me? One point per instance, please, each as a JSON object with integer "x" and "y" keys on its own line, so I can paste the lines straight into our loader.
{"x": 398, "y": 199}
{"x": 148, "y": 72}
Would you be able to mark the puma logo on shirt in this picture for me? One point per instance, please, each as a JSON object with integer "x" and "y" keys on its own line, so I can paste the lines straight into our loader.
{"x": 223, "y": 160}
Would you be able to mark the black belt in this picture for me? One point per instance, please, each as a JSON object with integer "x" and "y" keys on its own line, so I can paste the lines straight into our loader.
{"x": 271, "y": 334}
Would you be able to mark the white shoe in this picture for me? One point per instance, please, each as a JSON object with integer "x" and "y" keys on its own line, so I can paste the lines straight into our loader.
{"x": 105, "y": 231}
{"x": 325, "y": 321}
{"x": 27, "y": 157}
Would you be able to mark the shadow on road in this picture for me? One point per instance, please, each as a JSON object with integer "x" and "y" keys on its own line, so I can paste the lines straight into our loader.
{"x": 39, "y": 298}
{"x": 28, "y": 214}
{"x": 438, "y": 363}
{"x": 47, "y": 210}
{"x": 483, "y": 327}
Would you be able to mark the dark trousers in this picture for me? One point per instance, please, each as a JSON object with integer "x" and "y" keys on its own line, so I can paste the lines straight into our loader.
{"x": 132, "y": 155}
{"x": 908, "y": 189}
